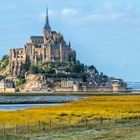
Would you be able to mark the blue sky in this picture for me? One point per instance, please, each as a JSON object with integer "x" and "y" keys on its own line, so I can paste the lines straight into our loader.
{"x": 105, "y": 33}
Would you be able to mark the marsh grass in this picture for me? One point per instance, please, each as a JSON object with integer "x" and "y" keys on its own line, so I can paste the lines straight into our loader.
{"x": 107, "y": 107}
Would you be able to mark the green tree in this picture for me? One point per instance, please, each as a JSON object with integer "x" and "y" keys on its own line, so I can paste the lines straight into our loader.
{"x": 26, "y": 67}
{"x": 4, "y": 62}
{"x": 40, "y": 58}
{"x": 20, "y": 80}
{"x": 46, "y": 66}
{"x": 5, "y": 57}
{"x": 93, "y": 68}
{"x": 34, "y": 69}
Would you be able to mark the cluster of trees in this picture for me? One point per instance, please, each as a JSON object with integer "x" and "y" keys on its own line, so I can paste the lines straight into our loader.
{"x": 4, "y": 62}
{"x": 20, "y": 80}
{"x": 49, "y": 67}
{"x": 75, "y": 70}
{"x": 62, "y": 75}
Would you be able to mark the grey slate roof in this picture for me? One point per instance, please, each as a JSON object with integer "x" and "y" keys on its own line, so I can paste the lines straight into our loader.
{"x": 36, "y": 37}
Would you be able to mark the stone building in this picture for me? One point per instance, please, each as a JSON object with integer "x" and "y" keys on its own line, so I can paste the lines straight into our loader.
{"x": 7, "y": 86}
{"x": 2, "y": 84}
{"x": 50, "y": 47}
{"x": 70, "y": 82}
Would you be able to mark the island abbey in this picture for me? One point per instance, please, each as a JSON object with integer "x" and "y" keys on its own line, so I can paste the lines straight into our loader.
{"x": 48, "y": 63}
{"x": 50, "y": 47}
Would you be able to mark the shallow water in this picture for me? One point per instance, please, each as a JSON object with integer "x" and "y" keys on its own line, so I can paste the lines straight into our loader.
{"x": 134, "y": 85}
{"x": 41, "y": 98}
{"x": 13, "y": 107}
{"x": 22, "y": 102}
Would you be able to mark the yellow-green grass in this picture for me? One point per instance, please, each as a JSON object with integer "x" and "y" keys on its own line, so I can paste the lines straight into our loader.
{"x": 91, "y": 107}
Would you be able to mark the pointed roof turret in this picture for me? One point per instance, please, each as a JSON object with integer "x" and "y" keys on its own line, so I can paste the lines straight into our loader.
{"x": 47, "y": 26}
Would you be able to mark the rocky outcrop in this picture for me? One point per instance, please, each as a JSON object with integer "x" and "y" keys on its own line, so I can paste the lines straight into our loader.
{"x": 33, "y": 82}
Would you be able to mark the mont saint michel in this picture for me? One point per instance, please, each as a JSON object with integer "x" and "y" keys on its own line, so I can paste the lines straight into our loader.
{"x": 69, "y": 72}
{"x": 48, "y": 63}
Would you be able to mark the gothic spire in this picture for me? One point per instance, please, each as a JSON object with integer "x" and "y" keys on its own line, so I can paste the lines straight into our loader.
{"x": 47, "y": 26}
{"x": 47, "y": 17}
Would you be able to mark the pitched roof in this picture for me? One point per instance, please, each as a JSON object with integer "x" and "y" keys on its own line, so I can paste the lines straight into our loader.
{"x": 36, "y": 37}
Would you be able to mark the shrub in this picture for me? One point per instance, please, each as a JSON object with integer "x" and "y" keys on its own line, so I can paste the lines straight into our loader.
{"x": 20, "y": 80}
{"x": 34, "y": 69}
{"x": 4, "y": 62}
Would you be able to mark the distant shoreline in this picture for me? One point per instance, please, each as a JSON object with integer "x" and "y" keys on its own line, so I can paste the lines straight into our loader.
{"x": 30, "y": 102}
{"x": 81, "y": 94}
{"x": 90, "y": 93}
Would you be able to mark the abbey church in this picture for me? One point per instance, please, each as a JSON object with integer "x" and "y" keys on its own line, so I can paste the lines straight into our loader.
{"x": 50, "y": 47}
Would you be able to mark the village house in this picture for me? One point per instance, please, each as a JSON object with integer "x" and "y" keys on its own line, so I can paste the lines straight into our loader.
{"x": 7, "y": 86}
{"x": 70, "y": 82}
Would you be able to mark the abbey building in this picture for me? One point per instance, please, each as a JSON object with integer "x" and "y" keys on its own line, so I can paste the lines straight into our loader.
{"x": 50, "y": 47}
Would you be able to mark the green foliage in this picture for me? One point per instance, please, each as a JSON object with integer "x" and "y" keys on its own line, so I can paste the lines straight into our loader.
{"x": 1, "y": 77}
{"x": 64, "y": 69}
{"x": 46, "y": 66}
{"x": 4, "y": 62}
{"x": 63, "y": 64}
{"x": 26, "y": 67}
{"x": 77, "y": 67}
{"x": 5, "y": 57}
{"x": 62, "y": 75}
{"x": 34, "y": 69}
{"x": 49, "y": 66}
{"x": 20, "y": 80}
{"x": 93, "y": 68}
{"x": 40, "y": 58}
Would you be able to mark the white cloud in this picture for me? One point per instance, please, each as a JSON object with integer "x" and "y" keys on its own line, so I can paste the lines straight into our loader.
{"x": 109, "y": 12}
{"x": 67, "y": 12}
{"x": 105, "y": 12}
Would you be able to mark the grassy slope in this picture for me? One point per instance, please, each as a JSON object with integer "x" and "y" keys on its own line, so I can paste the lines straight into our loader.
{"x": 107, "y": 106}
{"x": 84, "y": 133}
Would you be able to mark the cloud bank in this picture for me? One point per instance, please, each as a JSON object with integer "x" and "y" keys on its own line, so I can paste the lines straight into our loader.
{"x": 104, "y": 12}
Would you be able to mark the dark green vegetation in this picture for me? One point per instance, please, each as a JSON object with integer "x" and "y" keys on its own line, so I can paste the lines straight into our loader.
{"x": 55, "y": 68}
{"x": 1, "y": 77}
{"x": 4, "y": 62}
{"x": 59, "y": 70}
{"x": 20, "y": 80}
